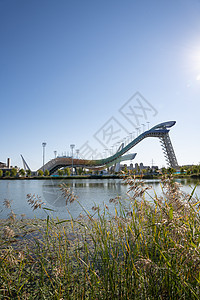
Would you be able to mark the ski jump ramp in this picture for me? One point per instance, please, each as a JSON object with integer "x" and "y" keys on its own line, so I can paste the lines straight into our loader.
{"x": 160, "y": 131}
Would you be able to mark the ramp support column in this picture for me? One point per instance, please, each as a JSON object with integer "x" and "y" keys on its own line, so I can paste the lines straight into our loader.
{"x": 169, "y": 151}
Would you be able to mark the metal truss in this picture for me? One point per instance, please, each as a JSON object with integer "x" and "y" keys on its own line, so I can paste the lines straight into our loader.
{"x": 168, "y": 150}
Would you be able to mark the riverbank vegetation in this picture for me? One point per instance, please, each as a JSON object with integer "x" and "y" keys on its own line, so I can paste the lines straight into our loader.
{"x": 146, "y": 250}
{"x": 187, "y": 171}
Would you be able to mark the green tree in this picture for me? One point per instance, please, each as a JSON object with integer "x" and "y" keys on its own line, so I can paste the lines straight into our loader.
{"x": 144, "y": 171}
{"x": 80, "y": 171}
{"x": 171, "y": 170}
{"x": 164, "y": 170}
{"x": 60, "y": 172}
{"x": 148, "y": 170}
{"x": 40, "y": 173}
{"x": 156, "y": 171}
{"x": 46, "y": 173}
{"x": 125, "y": 169}
{"x": 7, "y": 174}
{"x": 28, "y": 173}
{"x": 13, "y": 172}
{"x": 1, "y": 173}
{"x": 22, "y": 172}
{"x": 182, "y": 171}
{"x": 195, "y": 170}
{"x": 188, "y": 172}
{"x": 67, "y": 171}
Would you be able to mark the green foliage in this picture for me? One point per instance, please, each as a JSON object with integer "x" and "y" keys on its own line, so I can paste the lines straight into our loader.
{"x": 40, "y": 173}
{"x": 144, "y": 171}
{"x": 125, "y": 169}
{"x": 164, "y": 171}
{"x": 22, "y": 172}
{"x": 13, "y": 172}
{"x": 67, "y": 171}
{"x": 188, "y": 171}
{"x": 46, "y": 173}
{"x": 171, "y": 170}
{"x": 28, "y": 173}
{"x": 195, "y": 170}
{"x": 7, "y": 174}
{"x": 80, "y": 171}
{"x": 182, "y": 170}
{"x": 60, "y": 172}
{"x": 1, "y": 173}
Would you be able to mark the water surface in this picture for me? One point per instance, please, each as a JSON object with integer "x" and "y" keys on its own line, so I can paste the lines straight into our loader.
{"x": 90, "y": 192}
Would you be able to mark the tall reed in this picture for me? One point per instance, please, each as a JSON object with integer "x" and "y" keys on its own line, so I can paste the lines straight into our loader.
{"x": 150, "y": 251}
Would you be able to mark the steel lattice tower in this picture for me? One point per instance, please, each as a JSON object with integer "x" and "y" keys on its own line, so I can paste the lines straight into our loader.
{"x": 168, "y": 150}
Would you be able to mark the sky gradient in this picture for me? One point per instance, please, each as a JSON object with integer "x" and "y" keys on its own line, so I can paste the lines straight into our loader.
{"x": 68, "y": 67}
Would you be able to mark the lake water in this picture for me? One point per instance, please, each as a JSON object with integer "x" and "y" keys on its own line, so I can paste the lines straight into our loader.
{"x": 90, "y": 192}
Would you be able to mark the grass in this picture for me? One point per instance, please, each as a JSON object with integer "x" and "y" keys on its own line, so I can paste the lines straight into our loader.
{"x": 150, "y": 251}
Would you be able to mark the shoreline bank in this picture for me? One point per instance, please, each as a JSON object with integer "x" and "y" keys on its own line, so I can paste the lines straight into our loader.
{"x": 175, "y": 176}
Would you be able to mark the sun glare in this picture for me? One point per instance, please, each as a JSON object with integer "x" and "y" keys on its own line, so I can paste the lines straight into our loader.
{"x": 194, "y": 62}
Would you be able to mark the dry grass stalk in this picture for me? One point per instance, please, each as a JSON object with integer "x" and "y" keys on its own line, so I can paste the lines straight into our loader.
{"x": 35, "y": 201}
{"x": 12, "y": 216}
{"x": 115, "y": 200}
{"x": 67, "y": 193}
{"x": 8, "y": 232}
{"x": 95, "y": 208}
{"x": 7, "y": 203}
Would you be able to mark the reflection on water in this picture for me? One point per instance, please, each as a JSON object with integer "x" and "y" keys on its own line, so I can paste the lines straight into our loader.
{"x": 90, "y": 192}
{"x": 86, "y": 190}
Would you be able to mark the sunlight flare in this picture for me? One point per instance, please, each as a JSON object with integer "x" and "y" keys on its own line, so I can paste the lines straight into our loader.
{"x": 198, "y": 77}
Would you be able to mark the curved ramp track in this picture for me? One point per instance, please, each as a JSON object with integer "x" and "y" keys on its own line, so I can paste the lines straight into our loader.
{"x": 160, "y": 131}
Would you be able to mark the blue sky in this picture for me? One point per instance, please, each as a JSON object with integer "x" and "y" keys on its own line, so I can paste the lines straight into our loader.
{"x": 67, "y": 67}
